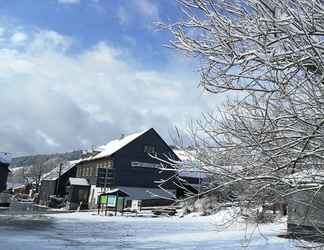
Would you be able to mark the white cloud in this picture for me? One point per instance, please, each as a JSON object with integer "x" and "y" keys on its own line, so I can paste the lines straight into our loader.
{"x": 50, "y": 40}
{"x": 18, "y": 38}
{"x": 58, "y": 101}
{"x": 147, "y": 8}
{"x": 68, "y": 1}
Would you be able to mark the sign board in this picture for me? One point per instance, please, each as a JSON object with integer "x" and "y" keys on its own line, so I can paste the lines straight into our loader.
{"x": 145, "y": 164}
{"x": 103, "y": 199}
{"x": 112, "y": 199}
{"x": 136, "y": 204}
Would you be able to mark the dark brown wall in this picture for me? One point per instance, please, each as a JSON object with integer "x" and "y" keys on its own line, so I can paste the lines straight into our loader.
{"x": 134, "y": 151}
{"x": 3, "y": 176}
{"x": 126, "y": 175}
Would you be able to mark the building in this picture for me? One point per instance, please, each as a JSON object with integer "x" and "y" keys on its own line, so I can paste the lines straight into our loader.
{"x": 127, "y": 164}
{"x": 192, "y": 177}
{"x": 77, "y": 193}
{"x": 5, "y": 160}
{"x": 56, "y": 181}
{"x": 305, "y": 205}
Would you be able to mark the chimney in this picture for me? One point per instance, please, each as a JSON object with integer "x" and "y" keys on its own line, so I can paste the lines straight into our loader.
{"x": 122, "y": 136}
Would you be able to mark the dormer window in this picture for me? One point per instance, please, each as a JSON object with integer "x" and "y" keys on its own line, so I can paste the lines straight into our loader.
{"x": 149, "y": 149}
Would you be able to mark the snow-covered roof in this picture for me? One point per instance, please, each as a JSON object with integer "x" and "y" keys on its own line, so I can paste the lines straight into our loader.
{"x": 78, "y": 181}
{"x": 193, "y": 173}
{"x": 14, "y": 185}
{"x": 190, "y": 166}
{"x": 115, "y": 145}
{"x": 5, "y": 158}
{"x": 185, "y": 155}
{"x": 54, "y": 173}
{"x": 116, "y": 191}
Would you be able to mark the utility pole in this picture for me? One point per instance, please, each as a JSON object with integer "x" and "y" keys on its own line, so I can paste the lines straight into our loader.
{"x": 58, "y": 180}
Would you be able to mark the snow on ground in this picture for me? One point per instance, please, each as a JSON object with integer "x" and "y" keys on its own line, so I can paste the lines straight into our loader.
{"x": 87, "y": 230}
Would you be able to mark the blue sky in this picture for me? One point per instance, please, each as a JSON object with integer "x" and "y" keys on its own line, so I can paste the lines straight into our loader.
{"x": 124, "y": 23}
{"x": 78, "y": 73}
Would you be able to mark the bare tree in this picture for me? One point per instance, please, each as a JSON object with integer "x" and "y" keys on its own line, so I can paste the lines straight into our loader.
{"x": 270, "y": 54}
{"x": 35, "y": 174}
{"x": 252, "y": 45}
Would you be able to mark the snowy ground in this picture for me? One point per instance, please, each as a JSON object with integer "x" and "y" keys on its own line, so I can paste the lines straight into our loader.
{"x": 89, "y": 231}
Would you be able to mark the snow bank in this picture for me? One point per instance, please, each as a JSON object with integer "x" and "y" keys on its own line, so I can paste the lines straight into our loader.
{"x": 86, "y": 230}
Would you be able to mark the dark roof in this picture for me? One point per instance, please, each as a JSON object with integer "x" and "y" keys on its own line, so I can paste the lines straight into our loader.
{"x": 116, "y": 191}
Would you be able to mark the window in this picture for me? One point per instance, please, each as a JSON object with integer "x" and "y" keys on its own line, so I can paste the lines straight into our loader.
{"x": 105, "y": 177}
{"x": 109, "y": 164}
{"x": 149, "y": 149}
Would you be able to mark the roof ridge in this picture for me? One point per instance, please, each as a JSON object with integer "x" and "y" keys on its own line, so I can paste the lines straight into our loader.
{"x": 114, "y": 145}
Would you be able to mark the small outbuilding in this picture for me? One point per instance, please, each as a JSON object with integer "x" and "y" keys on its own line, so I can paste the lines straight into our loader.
{"x": 55, "y": 182}
{"x": 77, "y": 193}
{"x": 191, "y": 177}
{"x": 5, "y": 160}
{"x": 306, "y": 206}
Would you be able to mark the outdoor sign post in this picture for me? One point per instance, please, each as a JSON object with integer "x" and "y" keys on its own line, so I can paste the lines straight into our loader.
{"x": 113, "y": 199}
{"x": 107, "y": 201}
{"x": 116, "y": 204}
